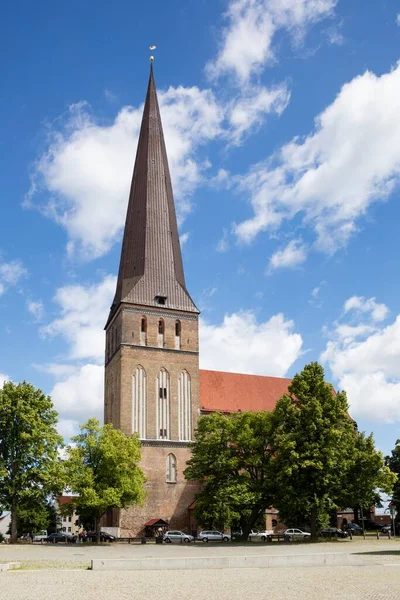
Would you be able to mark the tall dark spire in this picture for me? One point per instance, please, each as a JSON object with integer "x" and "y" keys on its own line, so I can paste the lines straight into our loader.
{"x": 151, "y": 269}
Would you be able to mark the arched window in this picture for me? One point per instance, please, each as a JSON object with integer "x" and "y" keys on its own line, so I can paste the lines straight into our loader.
{"x": 160, "y": 337}
{"x": 139, "y": 402}
{"x": 184, "y": 407}
{"x": 143, "y": 331}
{"x": 171, "y": 468}
{"x": 163, "y": 411}
{"x": 177, "y": 335}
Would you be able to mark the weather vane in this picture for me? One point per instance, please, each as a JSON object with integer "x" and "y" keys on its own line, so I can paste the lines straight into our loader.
{"x": 152, "y": 48}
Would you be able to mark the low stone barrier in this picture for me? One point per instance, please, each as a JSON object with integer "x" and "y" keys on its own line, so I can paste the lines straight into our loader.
{"x": 9, "y": 566}
{"x": 227, "y": 562}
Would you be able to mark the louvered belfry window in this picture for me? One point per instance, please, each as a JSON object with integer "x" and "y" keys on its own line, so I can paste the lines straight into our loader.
{"x": 163, "y": 407}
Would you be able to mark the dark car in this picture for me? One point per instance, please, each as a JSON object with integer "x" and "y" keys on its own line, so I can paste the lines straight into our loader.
{"x": 60, "y": 536}
{"x": 354, "y": 529}
{"x": 104, "y": 536}
{"x": 333, "y": 532}
{"x": 369, "y": 524}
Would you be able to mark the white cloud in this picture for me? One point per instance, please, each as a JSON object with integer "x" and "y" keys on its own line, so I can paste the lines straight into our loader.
{"x": 78, "y": 390}
{"x": 351, "y": 160}
{"x": 10, "y": 274}
{"x": 88, "y": 166}
{"x": 67, "y": 428}
{"x": 398, "y": 19}
{"x": 83, "y": 314}
{"x": 247, "y": 40}
{"x": 81, "y": 394}
{"x": 360, "y": 304}
{"x": 223, "y": 244}
{"x": 36, "y": 309}
{"x": 315, "y": 292}
{"x": 249, "y": 109}
{"x": 184, "y": 237}
{"x": 292, "y": 255}
{"x": 3, "y": 379}
{"x": 365, "y": 361}
{"x": 241, "y": 344}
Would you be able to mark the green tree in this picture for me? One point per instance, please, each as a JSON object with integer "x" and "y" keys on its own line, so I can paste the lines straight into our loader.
{"x": 393, "y": 462}
{"x": 102, "y": 468}
{"x": 231, "y": 455}
{"x": 321, "y": 461}
{"x": 367, "y": 476}
{"x": 30, "y": 468}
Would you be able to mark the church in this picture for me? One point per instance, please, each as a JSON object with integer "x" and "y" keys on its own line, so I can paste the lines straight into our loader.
{"x": 153, "y": 384}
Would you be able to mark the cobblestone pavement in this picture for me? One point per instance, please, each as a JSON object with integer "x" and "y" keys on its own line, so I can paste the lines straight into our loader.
{"x": 79, "y": 555}
{"x": 347, "y": 583}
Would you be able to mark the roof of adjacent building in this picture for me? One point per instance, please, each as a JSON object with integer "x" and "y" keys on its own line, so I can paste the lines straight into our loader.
{"x": 156, "y": 523}
{"x": 151, "y": 261}
{"x": 64, "y": 499}
{"x": 234, "y": 392}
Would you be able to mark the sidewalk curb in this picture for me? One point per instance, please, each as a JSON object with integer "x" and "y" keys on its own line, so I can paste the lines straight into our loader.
{"x": 227, "y": 562}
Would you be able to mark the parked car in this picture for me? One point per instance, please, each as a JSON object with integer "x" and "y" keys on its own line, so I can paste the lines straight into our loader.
{"x": 40, "y": 537}
{"x": 296, "y": 534}
{"x": 213, "y": 536}
{"x": 333, "y": 532}
{"x": 60, "y": 536}
{"x": 354, "y": 529}
{"x": 370, "y": 524}
{"x": 177, "y": 536}
{"x": 260, "y": 535}
{"x": 386, "y": 529}
{"x": 104, "y": 536}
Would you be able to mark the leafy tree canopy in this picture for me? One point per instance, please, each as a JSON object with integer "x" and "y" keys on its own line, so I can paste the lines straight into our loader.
{"x": 102, "y": 468}
{"x": 30, "y": 468}
{"x": 232, "y": 455}
{"x": 322, "y": 462}
{"x": 393, "y": 462}
{"x": 305, "y": 458}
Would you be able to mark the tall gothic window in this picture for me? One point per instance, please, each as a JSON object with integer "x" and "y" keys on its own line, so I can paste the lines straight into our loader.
{"x": 171, "y": 468}
{"x": 143, "y": 331}
{"x": 177, "y": 335}
{"x": 184, "y": 406}
{"x": 163, "y": 409}
{"x": 160, "y": 337}
{"x": 139, "y": 402}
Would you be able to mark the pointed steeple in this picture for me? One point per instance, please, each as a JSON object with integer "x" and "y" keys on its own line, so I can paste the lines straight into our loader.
{"x": 151, "y": 269}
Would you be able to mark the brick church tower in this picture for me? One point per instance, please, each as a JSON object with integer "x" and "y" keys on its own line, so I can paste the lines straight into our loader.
{"x": 152, "y": 354}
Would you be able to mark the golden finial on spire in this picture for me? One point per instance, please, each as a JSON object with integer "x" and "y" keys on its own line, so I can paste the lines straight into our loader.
{"x": 152, "y": 48}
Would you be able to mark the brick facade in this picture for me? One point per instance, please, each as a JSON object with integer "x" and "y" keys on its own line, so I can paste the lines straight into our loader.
{"x": 126, "y": 349}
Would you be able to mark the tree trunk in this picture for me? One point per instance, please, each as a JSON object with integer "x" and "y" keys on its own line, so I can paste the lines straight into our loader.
{"x": 314, "y": 515}
{"x": 97, "y": 529}
{"x": 14, "y": 523}
{"x": 255, "y": 513}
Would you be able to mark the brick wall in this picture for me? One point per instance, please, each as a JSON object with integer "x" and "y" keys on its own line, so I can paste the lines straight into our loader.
{"x": 168, "y": 501}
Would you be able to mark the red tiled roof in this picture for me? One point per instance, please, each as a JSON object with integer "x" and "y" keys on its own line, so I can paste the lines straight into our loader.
{"x": 231, "y": 392}
{"x": 153, "y": 522}
{"x": 64, "y": 499}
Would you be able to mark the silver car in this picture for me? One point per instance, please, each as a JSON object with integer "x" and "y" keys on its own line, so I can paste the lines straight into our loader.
{"x": 296, "y": 534}
{"x": 177, "y": 536}
{"x": 213, "y": 536}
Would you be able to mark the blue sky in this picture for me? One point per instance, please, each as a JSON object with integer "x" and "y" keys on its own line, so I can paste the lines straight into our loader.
{"x": 282, "y": 129}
